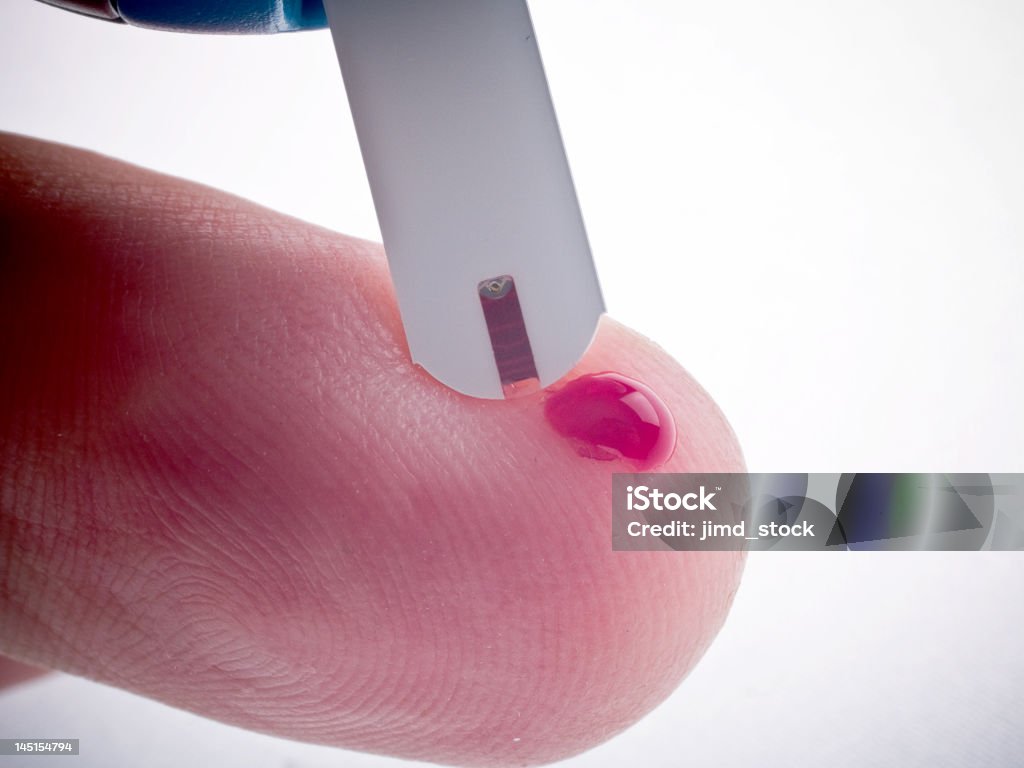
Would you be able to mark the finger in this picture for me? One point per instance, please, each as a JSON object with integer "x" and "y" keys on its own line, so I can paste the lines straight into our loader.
{"x": 226, "y": 487}
{"x": 14, "y": 673}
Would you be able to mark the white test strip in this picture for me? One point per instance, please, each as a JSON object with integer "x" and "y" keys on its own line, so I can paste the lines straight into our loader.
{"x": 471, "y": 186}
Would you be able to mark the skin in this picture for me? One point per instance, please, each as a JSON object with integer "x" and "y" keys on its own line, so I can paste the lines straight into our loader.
{"x": 224, "y": 485}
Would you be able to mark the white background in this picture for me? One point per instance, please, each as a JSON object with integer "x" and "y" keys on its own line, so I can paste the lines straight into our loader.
{"x": 817, "y": 207}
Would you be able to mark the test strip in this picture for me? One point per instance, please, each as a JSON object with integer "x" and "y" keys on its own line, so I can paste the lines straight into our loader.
{"x": 470, "y": 181}
{"x": 509, "y": 340}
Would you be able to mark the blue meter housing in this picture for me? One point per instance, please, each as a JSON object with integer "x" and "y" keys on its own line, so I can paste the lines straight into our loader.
{"x": 223, "y": 16}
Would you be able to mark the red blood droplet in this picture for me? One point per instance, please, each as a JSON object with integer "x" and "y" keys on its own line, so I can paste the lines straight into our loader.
{"x": 608, "y": 416}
